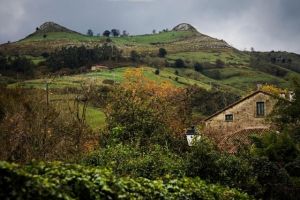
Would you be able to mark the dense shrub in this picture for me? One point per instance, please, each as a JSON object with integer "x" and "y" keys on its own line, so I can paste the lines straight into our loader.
{"x": 179, "y": 63}
{"x": 108, "y": 81}
{"x": 65, "y": 181}
{"x": 205, "y": 161}
{"x": 15, "y": 66}
{"x": 151, "y": 163}
{"x": 76, "y": 57}
{"x": 198, "y": 67}
{"x": 31, "y": 128}
{"x": 220, "y": 63}
{"x": 214, "y": 74}
{"x": 162, "y": 52}
{"x": 147, "y": 112}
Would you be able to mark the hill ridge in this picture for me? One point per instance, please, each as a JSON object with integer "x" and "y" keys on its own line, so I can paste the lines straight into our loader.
{"x": 185, "y": 27}
{"x": 50, "y": 26}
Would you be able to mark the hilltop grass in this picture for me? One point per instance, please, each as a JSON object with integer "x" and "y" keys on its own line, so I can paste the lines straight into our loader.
{"x": 163, "y": 37}
{"x": 57, "y": 36}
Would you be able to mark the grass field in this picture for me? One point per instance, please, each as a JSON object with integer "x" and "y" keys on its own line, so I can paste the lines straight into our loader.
{"x": 163, "y": 37}
{"x": 230, "y": 57}
{"x": 173, "y": 41}
{"x": 95, "y": 117}
{"x": 116, "y": 74}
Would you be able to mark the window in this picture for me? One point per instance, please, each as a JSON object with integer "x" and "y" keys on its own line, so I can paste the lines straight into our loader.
{"x": 229, "y": 117}
{"x": 260, "y": 109}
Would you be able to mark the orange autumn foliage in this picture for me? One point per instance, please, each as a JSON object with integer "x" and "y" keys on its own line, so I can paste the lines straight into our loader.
{"x": 146, "y": 108}
{"x": 272, "y": 89}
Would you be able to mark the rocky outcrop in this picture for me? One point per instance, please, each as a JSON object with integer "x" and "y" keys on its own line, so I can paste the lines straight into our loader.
{"x": 184, "y": 27}
{"x": 48, "y": 27}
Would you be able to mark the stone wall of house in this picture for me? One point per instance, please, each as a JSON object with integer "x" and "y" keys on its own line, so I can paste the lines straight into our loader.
{"x": 244, "y": 117}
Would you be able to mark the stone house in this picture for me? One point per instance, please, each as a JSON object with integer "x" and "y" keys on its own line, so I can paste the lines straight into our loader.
{"x": 240, "y": 119}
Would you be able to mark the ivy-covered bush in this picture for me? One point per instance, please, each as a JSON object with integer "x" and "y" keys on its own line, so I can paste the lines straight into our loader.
{"x": 206, "y": 162}
{"x": 155, "y": 161}
{"x": 69, "y": 181}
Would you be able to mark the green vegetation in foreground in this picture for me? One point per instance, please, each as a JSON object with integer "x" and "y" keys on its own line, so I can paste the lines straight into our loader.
{"x": 69, "y": 181}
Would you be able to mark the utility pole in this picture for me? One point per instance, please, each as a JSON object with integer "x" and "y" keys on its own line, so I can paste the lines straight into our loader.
{"x": 47, "y": 93}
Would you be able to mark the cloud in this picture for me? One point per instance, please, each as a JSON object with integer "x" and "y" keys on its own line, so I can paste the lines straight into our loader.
{"x": 131, "y": 0}
{"x": 264, "y": 25}
{"x": 12, "y": 14}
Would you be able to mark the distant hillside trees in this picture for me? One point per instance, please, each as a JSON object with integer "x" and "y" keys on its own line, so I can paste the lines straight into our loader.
{"x": 14, "y": 66}
{"x": 198, "y": 67}
{"x": 220, "y": 63}
{"x": 208, "y": 102}
{"x": 134, "y": 56}
{"x": 274, "y": 63}
{"x": 179, "y": 63}
{"x": 90, "y": 32}
{"x": 106, "y": 33}
{"x": 115, "y": 32}
{"x": 75, "y": 57}
{"x": 124, "y": 33}
{"x": 162, "y": 52}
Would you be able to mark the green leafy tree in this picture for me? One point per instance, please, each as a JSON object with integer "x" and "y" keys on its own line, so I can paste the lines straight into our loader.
{"x": 198, "y": 67}
{"x": 179, "y": 63}
{"x": 115, "y": 32}
{"x": 162, "y": 52}
{"x": 287, "y": 113}
{"x": 134, "y": 56}
{"x": 220, "y": 63}
{"x": 90, "y": 32}
{"x": 106, "y": 33}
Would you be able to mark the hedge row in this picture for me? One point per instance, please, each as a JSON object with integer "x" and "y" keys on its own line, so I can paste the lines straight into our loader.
{"x": 56, "y": 180}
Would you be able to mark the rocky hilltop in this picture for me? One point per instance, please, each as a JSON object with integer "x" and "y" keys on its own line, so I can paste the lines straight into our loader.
{"x": 184, "y": 27}
{"x": 49, "y": 27}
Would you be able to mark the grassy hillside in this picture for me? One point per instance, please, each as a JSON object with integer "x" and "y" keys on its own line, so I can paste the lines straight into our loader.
{"x": 173, "y": 41}
{"x": 242, "y": 70}
{"x": 117, "y": 74}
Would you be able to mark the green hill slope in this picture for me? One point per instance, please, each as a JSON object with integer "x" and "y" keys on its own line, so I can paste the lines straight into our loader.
{"x": 51, "y": 36}
{"x": 241, "y": 72}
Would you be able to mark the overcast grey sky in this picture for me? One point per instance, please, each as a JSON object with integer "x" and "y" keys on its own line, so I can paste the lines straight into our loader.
{"x": 263, "y": 24}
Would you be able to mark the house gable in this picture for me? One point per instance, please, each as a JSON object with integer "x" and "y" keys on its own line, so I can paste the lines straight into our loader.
{"x": 248, "y": 113}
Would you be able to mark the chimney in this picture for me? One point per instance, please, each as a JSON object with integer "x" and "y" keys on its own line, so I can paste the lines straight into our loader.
{"x": 258, "y": 86}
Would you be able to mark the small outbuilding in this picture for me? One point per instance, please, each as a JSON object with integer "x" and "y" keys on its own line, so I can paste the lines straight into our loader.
{"x": 98, "y": 68}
